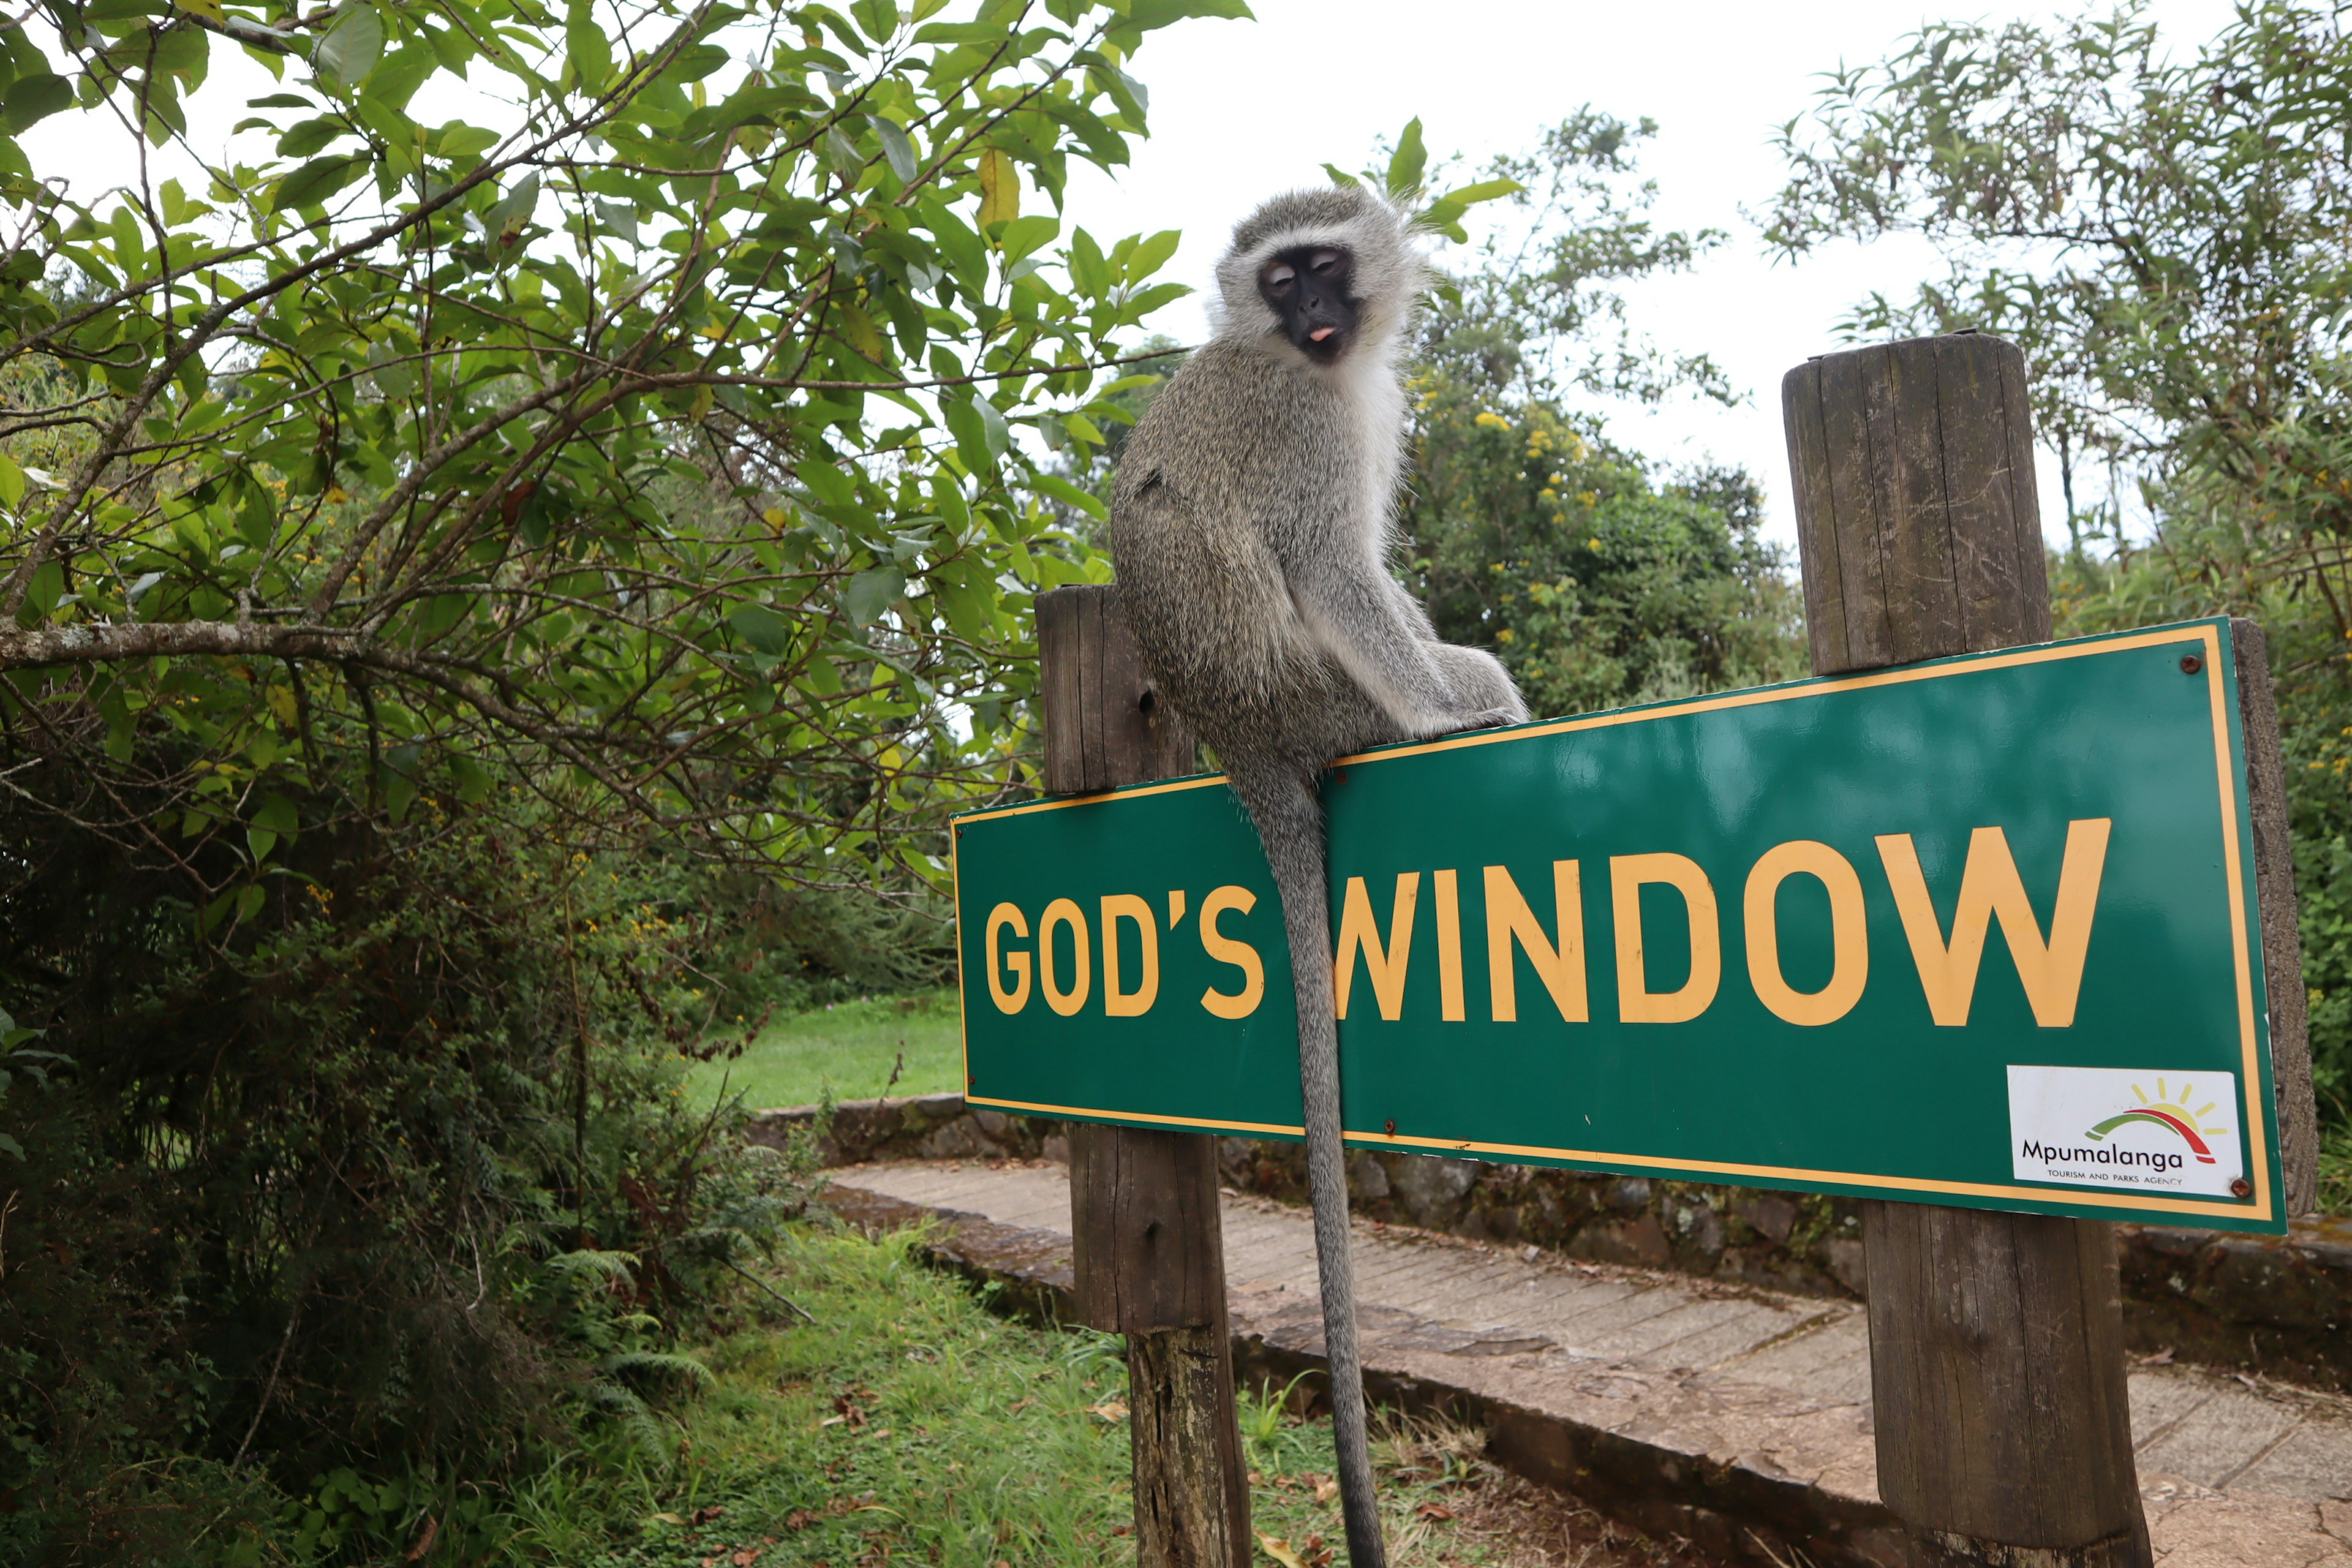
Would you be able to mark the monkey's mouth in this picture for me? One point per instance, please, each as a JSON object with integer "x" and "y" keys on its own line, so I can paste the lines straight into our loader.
{"x": 1319, "y": 333}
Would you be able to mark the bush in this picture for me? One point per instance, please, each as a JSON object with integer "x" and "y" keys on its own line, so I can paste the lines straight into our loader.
{"x": 392, "y": 1183}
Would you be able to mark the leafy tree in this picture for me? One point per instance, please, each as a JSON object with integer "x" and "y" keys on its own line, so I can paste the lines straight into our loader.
{"x": 2165, "y": 236}
{"x": 415, "y": 547}
{"x": 1526, "y": 530}
{"x": 650, "y": 447}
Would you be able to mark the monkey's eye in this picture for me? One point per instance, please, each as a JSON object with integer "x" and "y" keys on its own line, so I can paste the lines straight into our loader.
{"x": 1323, "y": 260}
{"x": 1278, "y": 275}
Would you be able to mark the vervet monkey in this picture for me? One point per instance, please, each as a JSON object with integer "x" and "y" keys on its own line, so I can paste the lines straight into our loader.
{"x": 1250, "y": 528}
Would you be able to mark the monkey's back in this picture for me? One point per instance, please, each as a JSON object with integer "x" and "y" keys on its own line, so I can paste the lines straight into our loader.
{"x": 1222, "y": 472}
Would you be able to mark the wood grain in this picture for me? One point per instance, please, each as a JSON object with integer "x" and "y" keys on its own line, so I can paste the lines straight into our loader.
{"x": 1149, "y": 1248}
{"x": 2282, "y": 931}
{"x": 1150, "y": 1254}
{"x": 1996, "y": 1341}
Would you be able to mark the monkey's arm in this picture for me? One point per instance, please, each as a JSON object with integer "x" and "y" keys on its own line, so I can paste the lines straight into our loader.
{"x": 1357, "y": 614}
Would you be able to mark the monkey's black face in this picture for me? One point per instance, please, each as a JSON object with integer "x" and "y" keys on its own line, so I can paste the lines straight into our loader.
{"x": 1310, "y": 289}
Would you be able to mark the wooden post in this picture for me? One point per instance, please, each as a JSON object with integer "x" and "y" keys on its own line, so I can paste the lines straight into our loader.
{"x": 1149, "y": 1255}
{"x": 1996, "y": 1340}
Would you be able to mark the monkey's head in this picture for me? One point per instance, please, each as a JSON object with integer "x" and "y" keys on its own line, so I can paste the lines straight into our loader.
{"x": 1330, "y": 273}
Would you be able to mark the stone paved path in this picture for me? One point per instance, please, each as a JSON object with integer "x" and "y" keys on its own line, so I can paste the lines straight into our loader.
{"x": 2235, "y": 1471}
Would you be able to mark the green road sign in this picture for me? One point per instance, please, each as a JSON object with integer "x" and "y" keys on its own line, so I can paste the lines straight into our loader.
{"x": 1977, "y": 933}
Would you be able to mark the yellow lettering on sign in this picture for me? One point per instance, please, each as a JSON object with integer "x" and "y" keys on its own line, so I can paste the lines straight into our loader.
{"x": 1509, "y": 920}
{"x": 1848, "y": 932}
{"x": 1449, "y": 947}
{"x": 1636, "y": 1003}
{"x": 1358, "y": 930}
{"x": 1992, "y": 889}
{"x": 1062, "y": 911}
{"x": 1175, "y": 908}
{"x": 1017, "y": 997}
{"x": 1225, "y": 950}
{"x": 1135, "y": 1003}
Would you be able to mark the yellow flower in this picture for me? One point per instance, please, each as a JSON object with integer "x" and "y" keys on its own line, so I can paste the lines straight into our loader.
{"x": 1593, "y": 542}
{"x": 1504, "y": 635}
{"x": 1489, "y": 420}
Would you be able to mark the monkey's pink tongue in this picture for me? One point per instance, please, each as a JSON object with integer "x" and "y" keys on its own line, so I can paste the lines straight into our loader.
{"x": 1319, "y": 333}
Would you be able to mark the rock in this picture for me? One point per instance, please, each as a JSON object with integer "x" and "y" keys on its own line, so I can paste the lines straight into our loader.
{"x": 994, "y": 1124}
{"x": 1366, "y": 1180}
{"x": 1629, "y": 1192}
{"x": 1702, "y": 1230}
{"x": 1429, "y": 1187}
{"x": 1771, "y": 1215}
{"x": 1842, "y": 1257}
{"x": 959, "y": 1140}
{"x": 1641, "y": 1240}
{"x": 1056, "y": 1148}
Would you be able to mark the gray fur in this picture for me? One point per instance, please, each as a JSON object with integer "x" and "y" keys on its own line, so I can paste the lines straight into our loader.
{"x": 1250, "y": 525}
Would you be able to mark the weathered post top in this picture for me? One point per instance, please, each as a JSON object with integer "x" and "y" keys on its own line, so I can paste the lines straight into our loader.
{"x": 1917, "y": 520}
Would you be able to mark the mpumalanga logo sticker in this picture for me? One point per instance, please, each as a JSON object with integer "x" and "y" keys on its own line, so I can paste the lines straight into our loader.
{"x": 2140, "y": 1129}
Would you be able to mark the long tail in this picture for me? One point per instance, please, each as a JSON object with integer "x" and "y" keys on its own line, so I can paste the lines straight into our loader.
{"x": 1290, "y": 825}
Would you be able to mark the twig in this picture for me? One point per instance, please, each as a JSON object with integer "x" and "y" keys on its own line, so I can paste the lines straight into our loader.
{"x": 771, "y": 1290}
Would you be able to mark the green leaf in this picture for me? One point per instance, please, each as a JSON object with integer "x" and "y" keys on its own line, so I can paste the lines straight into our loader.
{"x": 1024, "y": 235}
{"x": 897, "y": 150}
{"x": 584, "y": 43}
{"x": 1063, "y": 489}
{"x": 764, "y": 629}
{"x": 10, "y": 1146}
{"x": 351, "y": 47}
{"x": 472, "y": 780}
{"x": 1410, "y": 159}
{"x": 869, "y": 593}
{"x": 460, "y": 140}
{"x": 1151, "y": 254}
{"x": 317, "y": 180}
{"x": 34, "y": 98}
{"x": 1484, "y": 191}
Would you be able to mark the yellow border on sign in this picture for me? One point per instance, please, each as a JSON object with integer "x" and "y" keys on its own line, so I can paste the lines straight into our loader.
{"x": 2249, "y": 1077}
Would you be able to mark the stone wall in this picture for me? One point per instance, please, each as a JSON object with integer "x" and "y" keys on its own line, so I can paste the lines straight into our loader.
{"x": 2278, "y": 1305}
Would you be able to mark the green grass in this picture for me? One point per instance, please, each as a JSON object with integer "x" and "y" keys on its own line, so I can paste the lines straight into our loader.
{"x": 850, "y": 1048}
{"x": 2335, "y": 1168}
{"x": 910, "y": 1424}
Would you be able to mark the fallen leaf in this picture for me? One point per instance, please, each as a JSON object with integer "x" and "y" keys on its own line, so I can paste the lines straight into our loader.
{"x": 705, "y": 1515}
{"x": 1316, "y": 1554}
{"x": 745, "y": 1558}
{"x": 799, "y": 1519}
{"x": 831, "y": 1421}
{"x": 1433, "y": 1511}
{"x": 1326, "y": 1491}
{"x": 2161, "y": 1358}
{"x": 1109, "y": 1410}
{"x": 669, "y": 1518}
{"x": 1279, "y": 1550}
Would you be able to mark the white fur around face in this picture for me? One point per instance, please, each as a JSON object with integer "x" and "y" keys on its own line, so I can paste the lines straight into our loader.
{"x": 1390, "y": 272}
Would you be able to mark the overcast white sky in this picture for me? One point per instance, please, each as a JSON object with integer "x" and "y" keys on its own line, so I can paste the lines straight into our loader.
{"x": 1240, "y": 110}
